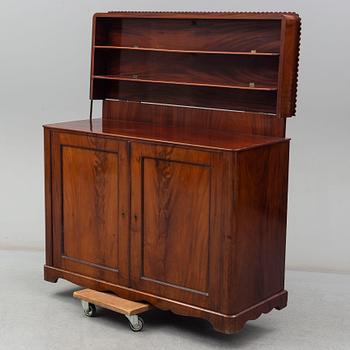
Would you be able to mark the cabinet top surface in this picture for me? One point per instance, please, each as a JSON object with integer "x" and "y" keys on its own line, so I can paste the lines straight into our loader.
{"x": 209, "y": 139}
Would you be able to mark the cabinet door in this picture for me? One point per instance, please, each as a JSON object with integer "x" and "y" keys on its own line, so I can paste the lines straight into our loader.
{"x": 179, "y": 211}
{"x": 90, "y": 206}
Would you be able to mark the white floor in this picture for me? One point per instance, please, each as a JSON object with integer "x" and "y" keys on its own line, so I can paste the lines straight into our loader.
{"x": 35, "y": 314}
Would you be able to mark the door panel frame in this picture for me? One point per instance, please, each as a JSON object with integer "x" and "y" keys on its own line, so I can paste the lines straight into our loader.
{"x": 220, "y": 221}
{"x": 119, "y": 275}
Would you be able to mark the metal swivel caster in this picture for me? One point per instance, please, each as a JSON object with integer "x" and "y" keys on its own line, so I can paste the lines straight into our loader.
{"x": 89, "y": 309}
{"x": 135, "y": 322}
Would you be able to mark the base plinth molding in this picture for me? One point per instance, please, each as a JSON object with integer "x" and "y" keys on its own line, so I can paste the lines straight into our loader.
{"x": 223, "y": 323}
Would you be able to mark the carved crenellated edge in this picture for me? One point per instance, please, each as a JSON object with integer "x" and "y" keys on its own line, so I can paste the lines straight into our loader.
{"x": 209, "y": 12}
{"x": 297, "y": 65}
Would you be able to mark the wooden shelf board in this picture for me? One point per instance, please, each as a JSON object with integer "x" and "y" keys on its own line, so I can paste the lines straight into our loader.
{"x": 240, "y": 87}
{"x": 136, "y": 48}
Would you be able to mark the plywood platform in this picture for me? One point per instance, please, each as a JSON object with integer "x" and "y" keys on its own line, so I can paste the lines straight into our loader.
{"x": 111, "y": 302}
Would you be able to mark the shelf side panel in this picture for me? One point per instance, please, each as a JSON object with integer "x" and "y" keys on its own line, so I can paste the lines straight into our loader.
{"x": 288, "y": 68}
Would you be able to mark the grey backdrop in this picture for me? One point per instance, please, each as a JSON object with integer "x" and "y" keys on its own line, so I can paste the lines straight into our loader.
{"x": 44, "y": 77}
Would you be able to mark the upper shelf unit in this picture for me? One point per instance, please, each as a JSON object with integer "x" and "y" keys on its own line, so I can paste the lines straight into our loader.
{"x": 245, "y": 62}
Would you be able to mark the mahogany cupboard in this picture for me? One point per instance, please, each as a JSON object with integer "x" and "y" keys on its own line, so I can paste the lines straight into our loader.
{"x": 178, "y": 195}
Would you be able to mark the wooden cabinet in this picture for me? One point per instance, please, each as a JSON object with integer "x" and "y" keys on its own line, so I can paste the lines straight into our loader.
{"x": 178, "y": 195}
{"x": 197, "y": 230}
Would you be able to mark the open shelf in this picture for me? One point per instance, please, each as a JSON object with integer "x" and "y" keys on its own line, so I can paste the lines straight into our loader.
{"x": 206, "y": 52}
{"x": 217, "y": 71}
{"x": 222, "y": 35}
{"x": 130, "y": 78}
{"x": 236, "y": 64}
{"x": 263, "y": 101}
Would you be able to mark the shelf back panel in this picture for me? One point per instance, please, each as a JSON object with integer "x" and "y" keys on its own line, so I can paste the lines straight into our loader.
{"x": 209, "y": 97}
{"x": 239, "y": 62}
{"x": 212, "y": 35}
{"x": 206, "y": 69}
{"x": 194, "y": 118}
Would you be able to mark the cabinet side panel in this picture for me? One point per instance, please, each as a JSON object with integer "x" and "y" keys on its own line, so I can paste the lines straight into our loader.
{"x": 48, "y": 206}
{"x": 260, "y": 211}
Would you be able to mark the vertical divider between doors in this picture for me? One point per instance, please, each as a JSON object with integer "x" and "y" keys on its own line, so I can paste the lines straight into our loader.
{"x": 129, "y": 184}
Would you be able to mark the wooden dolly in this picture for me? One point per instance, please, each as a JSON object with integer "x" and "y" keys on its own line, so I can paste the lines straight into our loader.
{"x": 89, "y": 298}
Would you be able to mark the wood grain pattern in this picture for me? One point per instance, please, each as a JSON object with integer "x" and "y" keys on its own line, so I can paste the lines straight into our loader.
{"x": 175, "y": 193}
{"x": 236, "y": 85}
{"x": 200, "y": 96}
{"x": 261, "y": 182}
{"x": 223, "y": 323}
{"x": 224, "y": 254}
{"x": 286, "y": 104}
{"x": 178, "y": 196}
{"x": 90, "y": 206}
{"x": 111, "y": 302}
{"x": 179, "y": 71}
{"x": 97, "y": 192}
{"x": 174, "y": 203}
{"x": 201, "y": 34}
{"x": 194, "y": 118}
{"x": 189, "y": 68}
{"x": 48, "y": 197}
{"x": 200, "y": 138}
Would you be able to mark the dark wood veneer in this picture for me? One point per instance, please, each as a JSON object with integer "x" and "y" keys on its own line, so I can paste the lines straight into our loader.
{"x": 189, "y": 34}
{"x": 194, "y": 118}
{"x": 90, "y": 206}
{"x": 189, "y": 137}
{"x": 210, "y": 97}
{"x": 243, "y": 62}
{"x": 189, "y": 68}
{"x": 178, "y": 195}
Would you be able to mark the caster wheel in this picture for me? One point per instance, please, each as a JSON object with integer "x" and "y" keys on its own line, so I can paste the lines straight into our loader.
{"x": 137, "y": 327}
{"x": 89, "y": 309}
